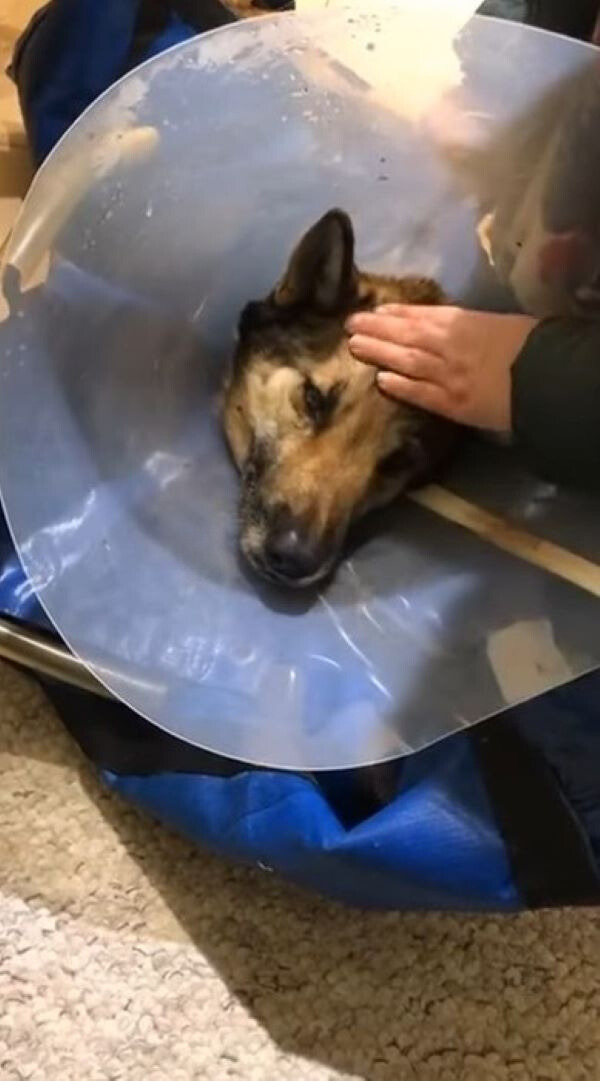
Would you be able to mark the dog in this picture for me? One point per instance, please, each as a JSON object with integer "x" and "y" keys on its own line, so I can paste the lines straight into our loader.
{"x": 317, "y": 445}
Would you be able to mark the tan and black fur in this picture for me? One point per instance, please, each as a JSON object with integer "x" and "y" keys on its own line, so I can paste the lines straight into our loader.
{"x": 316, "y": 443}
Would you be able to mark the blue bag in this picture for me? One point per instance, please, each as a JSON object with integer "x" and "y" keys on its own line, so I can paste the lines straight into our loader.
{"x": 503, "y": 817}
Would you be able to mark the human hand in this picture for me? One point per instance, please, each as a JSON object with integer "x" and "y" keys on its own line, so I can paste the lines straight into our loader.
{"x": 447, "y": 360}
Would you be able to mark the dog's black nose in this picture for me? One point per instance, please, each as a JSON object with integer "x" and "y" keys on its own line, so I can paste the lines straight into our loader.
{"x": 292, "y": 556}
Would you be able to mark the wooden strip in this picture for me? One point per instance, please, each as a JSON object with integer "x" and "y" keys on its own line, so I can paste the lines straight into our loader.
{"x": 497, "y": 531}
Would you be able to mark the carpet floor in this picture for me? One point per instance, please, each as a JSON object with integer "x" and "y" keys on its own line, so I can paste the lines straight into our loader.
{"x": 126, "y": 955}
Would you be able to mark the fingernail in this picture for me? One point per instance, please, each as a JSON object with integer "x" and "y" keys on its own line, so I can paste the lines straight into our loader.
{"x": 355, "y": 344}
{"x": 352, "y": 324}
{"x": 384, "y": 381}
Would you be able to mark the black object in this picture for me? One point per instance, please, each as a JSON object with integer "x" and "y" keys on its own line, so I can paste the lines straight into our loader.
{"x": 551, "y": 858}
{"x": 556, "y": 404}
{"x": 274, "y": 5}
{"x": 575, "y": 18}
{"x": 154, "y": 16}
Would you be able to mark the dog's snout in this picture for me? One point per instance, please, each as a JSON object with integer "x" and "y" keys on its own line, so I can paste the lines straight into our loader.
{"x": 292, "y": 555}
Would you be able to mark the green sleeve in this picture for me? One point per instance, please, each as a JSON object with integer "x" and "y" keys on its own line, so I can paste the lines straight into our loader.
{"x": 556, "y": 401}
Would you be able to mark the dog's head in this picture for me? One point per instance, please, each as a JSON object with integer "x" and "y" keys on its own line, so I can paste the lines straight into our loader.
{"x": 316, "y": 443}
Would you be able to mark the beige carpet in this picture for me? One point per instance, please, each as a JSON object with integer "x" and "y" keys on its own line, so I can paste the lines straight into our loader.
{"x": 126, "y": 954}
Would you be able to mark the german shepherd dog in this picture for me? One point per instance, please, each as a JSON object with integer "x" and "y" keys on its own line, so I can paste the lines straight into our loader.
{"x": 316, "y": 443}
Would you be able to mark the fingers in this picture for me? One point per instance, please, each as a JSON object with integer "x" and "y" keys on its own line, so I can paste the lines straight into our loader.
{"x": 442, "y": 315}
{"x": 416, "y": 346}
{"x": 400, "y": 331}
{"x": 425, "y": 395}
{"x": 415, "y": 363}
{"x": 413, "y": 327}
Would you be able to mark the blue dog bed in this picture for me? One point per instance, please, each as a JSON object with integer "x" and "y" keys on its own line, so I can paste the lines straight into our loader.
{"x": 504, "y": 817}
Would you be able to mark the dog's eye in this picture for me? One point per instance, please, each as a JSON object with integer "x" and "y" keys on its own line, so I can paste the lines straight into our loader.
{"x": 314, "y": 400}
{"x": 318, "y": 404}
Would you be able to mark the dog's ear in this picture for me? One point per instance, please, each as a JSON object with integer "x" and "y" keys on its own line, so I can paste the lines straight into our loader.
{"x": 321, "y": 272}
